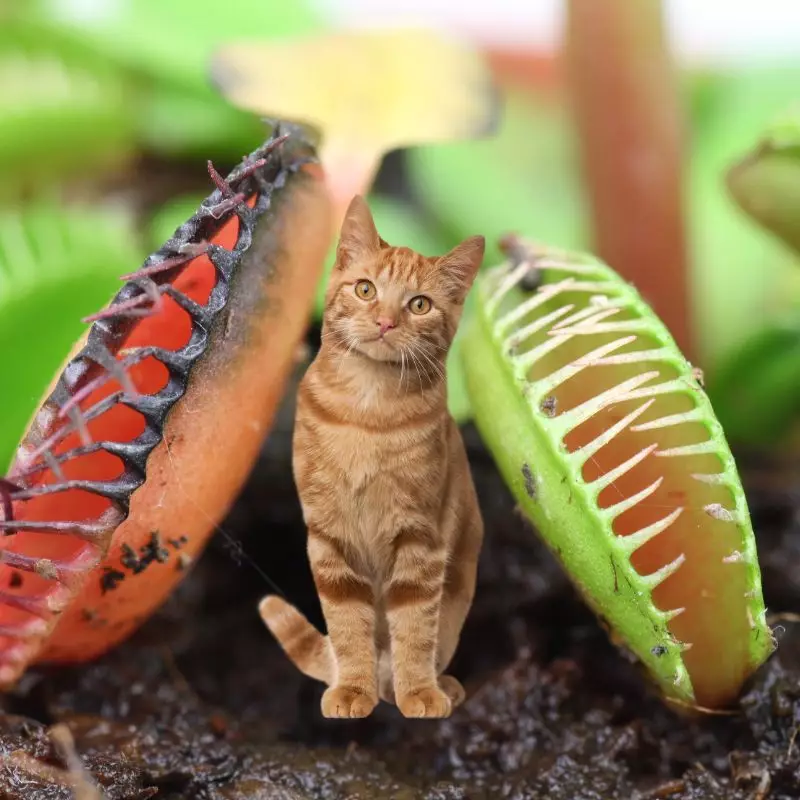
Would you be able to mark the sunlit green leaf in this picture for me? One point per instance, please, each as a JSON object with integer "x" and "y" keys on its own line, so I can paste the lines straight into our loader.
{"x": 165, "y": 47}
{"x": 178, "y": 121}
{"x": 169, "y": 41}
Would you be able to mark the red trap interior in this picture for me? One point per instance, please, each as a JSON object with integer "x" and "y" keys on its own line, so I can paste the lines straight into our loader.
{"x": 34, "y": 559}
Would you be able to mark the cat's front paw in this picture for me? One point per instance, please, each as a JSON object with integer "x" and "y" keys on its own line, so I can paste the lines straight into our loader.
{"x": 342, "y": 702}
{"x": 429, "y": 702}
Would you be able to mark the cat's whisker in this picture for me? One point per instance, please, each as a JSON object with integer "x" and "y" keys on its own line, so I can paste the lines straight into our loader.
{"x": 424, "y": 349}
{"x": 413, "y": 351}
{"x": 416, "y": 365}
{"x": 438, "y": 370}
{"x": 434, "y": 365}
{"x": 351, "y": 342}
{"x": 445, "y": 348}
{"x": 436, "y": 361}
{"x": 402, "y": 369}
{"x": 341, "y": 340}
{"x": 339, "y": 337}
{"x": 400, "y": 379}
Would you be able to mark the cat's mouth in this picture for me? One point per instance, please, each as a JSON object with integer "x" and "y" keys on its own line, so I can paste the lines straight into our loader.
{"x": 379, "y": 349}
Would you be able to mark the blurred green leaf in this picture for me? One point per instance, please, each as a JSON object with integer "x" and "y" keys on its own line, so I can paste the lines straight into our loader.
{"x": 457, "y": 397}
{"x": 742, "y": 277}
{"x": 756, "y": 391}
{"x": 522, "y": 180}
{"x": 766, "y": 182}
{"x": 177, "y": 121}
{"x": 166, "y": 47}
{"x": 64, "y": 111}
{"x": 701, "y": 91}
{"x": 55, "y": 267}
{"x": 170, "y": 41}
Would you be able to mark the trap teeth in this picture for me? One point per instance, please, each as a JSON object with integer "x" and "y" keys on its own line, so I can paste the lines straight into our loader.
{"x": 579, "y": 378}
{"x": 111, "y": 453}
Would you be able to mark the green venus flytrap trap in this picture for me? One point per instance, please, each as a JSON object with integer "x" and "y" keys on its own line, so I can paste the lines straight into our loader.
{"x": 603, "y": 432}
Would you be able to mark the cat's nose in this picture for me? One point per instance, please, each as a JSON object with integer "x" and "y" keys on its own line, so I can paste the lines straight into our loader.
{"x": 385, "y": 324}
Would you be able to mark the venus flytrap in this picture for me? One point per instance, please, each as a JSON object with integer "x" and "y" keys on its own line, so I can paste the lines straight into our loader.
{"x": 198, "y": 320}
{"x": 604, "y": 434}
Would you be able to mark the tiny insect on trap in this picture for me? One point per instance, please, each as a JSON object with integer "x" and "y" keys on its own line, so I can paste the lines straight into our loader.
{"x": 603, "y": 431}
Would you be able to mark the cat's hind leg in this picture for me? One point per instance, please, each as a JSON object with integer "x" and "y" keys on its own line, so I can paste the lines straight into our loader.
{"x": 453, "y": 689}
{"x": 457, "y": 596}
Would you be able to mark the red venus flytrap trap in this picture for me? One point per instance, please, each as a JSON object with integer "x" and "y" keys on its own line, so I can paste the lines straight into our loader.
{"x": 601, "y": 429}
{"x": 152, "y": 426}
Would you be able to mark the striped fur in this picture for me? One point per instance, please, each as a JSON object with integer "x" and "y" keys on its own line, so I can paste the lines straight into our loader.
{"x": 394, "y": 528}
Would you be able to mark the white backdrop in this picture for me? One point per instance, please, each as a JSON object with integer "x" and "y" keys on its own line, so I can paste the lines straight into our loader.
{"x": 716, "y": 29}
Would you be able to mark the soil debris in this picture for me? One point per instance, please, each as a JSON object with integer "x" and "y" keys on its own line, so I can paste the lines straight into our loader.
{"x": 149, "y": 553}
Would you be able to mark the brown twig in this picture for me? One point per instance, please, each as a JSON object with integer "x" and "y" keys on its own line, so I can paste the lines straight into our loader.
{"x": 84, "y": 787}
{"x": 74, "y": 777}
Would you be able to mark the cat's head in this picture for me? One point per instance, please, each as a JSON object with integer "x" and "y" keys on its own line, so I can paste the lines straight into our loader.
{"x": 389, "y": 302}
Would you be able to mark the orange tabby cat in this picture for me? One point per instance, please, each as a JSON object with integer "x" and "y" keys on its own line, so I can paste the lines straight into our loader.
{"x": 394, "y": 528}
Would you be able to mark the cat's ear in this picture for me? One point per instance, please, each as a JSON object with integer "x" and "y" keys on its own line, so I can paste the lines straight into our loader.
{"x": 359, "y": 237}
{"x": 459, "y": 267}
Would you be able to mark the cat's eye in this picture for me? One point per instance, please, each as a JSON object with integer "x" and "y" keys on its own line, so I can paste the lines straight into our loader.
{"x": 365, "y": 290}
{"x": 420, "y": 304}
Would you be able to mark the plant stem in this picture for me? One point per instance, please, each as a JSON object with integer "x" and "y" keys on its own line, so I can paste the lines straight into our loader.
{"x": 626, "y": 105}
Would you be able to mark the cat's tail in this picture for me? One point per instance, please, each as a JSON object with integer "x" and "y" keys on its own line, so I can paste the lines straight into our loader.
{"x": 310, "y": 651}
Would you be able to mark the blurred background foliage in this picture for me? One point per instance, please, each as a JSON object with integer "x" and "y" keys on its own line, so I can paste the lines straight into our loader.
{"x": 107, "y": 117}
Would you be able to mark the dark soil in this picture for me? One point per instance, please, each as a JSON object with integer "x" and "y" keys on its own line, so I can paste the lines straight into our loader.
{"x": 203, "y": 704}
